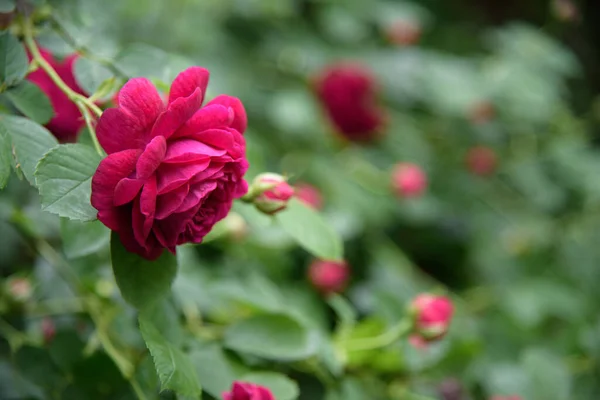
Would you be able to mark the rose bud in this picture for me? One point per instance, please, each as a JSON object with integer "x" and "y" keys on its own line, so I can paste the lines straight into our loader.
{"x": 67, "y": 120}
{"x": 418, "y": 342}
{"x": 248, "y": 391}
{"x": 274, "y": 191}
{"x": 481, "y": 160}
{"x": 404, "y": 33}
{"x": 432, "y": 316}
{"x": 19, "y": 289}
{"x": 408, "y": 180}
{"x": 236, "y": 226}
{"x": 309, "y": 195}
{"x": 565, "y": 10}
{"x": 172, "y": 170}
{"x": 48, "y": 330}
{"x": 348, "y": 94}
{"x": 482, "y": 112}
{"x": 329, "y": 276}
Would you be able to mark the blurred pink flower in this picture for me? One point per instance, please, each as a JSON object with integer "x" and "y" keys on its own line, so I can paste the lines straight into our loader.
{"x": 248, "y": 391}
{"x": 329, "y": 276}
{"x": 309, "y": 195}
{"x": 432, "y": 316}
{"x": 408, "y": 180}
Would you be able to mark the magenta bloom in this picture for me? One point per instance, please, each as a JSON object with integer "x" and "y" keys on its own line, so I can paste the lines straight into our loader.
{"x": 309, "y": 195}
{"x": 274, "y": 199}
{"x": 433, "y": 315}
{"x": 248, "y": 391}
{"x": 67, "y": 120}
{"x": 348, "y": 93}
{"x": 329, "y": 276}
{"x": 408, "y": 180}
{"x": 172, "y": 170}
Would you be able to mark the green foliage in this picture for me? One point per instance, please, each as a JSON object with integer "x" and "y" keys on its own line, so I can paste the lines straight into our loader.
{"x": 13, "y": 60}
{"x": 31, "y": 101}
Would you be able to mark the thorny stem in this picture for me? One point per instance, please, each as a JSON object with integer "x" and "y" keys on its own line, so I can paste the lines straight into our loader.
{"x": 383, "y": 340}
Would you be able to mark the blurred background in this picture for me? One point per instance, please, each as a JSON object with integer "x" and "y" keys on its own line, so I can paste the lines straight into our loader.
{"x": 495, "y": 101}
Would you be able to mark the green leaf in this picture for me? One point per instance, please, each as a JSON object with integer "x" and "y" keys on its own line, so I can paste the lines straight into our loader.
{"x": 64, "y": 179}
{"x": 272, "y": 336}
{"x": 83, "y": 238}
{"x": 282, "y": 387}
{"x": 31, "y": 101}
{"x": 30, "y": 142}
{"x": 309, "y": 229}
{"x": 142, "y": 282}
{"x": 7, "y": 6}
{"x": 90, "y": 75}
{"x": 214, "y": 370}
{"x": 549, "y": 378}
{"x": 6, "y": 158}
{"x": 13, "y": 60}
{"x": 175, "y": 370}
{"x": 142, "y": 60}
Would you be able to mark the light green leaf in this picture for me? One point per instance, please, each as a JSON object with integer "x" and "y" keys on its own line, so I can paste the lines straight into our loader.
{"x": 215, "y": 372}
{"x": 30, "y": 142}
{"x": 142, "y": 282}
{"x": 90, "y": 75}
{"x": 549, "y": 378}
{"x": 7, "y": 6}
{"x": 13, "y": 60}
{"x": 31, "y": 101}
{"x": 6, "y": 158}
{"x": 83, "y": 238}
{"x": 309, "y": 229}
{"x": 64, "y": 179}
{"x": 142, "y": 60}
{"x": 272, "y": 336}
{"x": 175, "y": 370}
{"x": 282, "y": 387}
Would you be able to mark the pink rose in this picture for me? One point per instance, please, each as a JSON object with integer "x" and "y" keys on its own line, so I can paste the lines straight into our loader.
{"x": 67, "y": 120}
{"x": 248, "y": 391}
{"x": 172, "y": 170}
{"x": 349, "y": 95}
{"x": 408, "y": 180}
{"x": 277, "y": 195}
{"x": 329, "y": 276}
{"x": 309, "y": 195}
{"x": 432, "y": 314}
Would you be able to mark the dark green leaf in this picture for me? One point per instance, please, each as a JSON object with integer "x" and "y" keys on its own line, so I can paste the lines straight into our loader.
{"x": 13, "y": 60}
{"x": 83, "y": 238}
{"x": 282, "y": 387}
{"x": 6, "y": 158}
{"x": 36, "y": 365}
{"x": 64, "y": 179}
{"x": 273, "y": 336}
{"x": 142, "y": 282}
{"x": 90, "y": 75}
{"x": 175, "y": 370}
{"x": 309, "y": 229}
{"x": 31, "y": 101}
{"x": 30, "y": 142}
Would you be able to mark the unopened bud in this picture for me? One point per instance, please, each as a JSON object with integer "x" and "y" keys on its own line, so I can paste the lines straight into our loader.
{"x": 19, "y": 289}
{"x": 48, "y": 330}
{"x": 482, "y": 112}
{"x": 236, "y": 226}
{"x": 481, "y": 160}
{"x": 408, "y": 180}
{"x": 329, "y": 276}
{"x": 404, "y": 32}
{"x": 432, "y": 316}
{"x": 451, "y": 389}
{"x": 271, "y": 193}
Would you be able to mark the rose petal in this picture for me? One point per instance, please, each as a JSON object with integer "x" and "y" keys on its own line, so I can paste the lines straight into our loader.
{"x": 177, "y": 113}
{"x": 140, "y": 99}
{"x": 167, "y": 203}
{"x": 190, "y": 150}
{"x": 240, "y": 120}
{"x": 171, "y": 176}
{"x": 126, "y": 190}
{"x": 209, "y": 117}
{"x": 143, "y": 212}
{"x": 111, "y": 170}
{"x": 118, "y": 131}
{"x": 187, "y": 82}
{"x": 197, "y": 192}
{"x": 151, "y": 158}
{"x": 219, "y": 138}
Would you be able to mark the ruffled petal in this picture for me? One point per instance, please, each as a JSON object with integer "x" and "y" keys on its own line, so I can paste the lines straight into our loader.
{"x": 209, "y": 117}
{"x": 171, "y": 176}
{"x": 111, "y": 170}
{"x": 126, "y": 190}
{"x": 219, "y": 138}
{"x": 177, "y": 113}
{"x": 151, "y": 158}
{"x": 240, "y": 119}
{"x": 118, "y": 131}
{"x": 143, "y": 212}
{"x": 196, "y": 194}
{"x": 140, "y": 99}
{"x": 167, "y": 203}
{"x": 187, "y": 82}
{"x": 190, "y": 150}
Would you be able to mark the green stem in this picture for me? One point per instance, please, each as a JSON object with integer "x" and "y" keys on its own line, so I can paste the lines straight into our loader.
{"x": 89, "y": 123}
{"x": 383, "y": 340}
